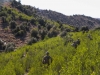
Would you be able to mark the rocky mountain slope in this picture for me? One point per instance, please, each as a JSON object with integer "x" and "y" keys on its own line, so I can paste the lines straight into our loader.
{"x": 19, "y": 24}
{"x": 75, "y": 20}
{"x": 24, "y": 24}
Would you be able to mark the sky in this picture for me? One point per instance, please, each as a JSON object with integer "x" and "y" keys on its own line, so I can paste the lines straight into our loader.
{"x": 68, "y": 7}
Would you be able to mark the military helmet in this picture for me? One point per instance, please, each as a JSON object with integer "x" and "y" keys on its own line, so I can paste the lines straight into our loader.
{"x": 47, "y": 53}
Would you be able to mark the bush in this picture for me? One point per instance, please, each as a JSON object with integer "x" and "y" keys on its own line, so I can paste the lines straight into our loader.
{"x": 32, "y": 40}
{"x": 42, "y": 22}
{"x": 43, "y": 34}
{"x": 53, "y": 33}
{"x": 2, "y": 45}
{"x": 76, "y": 29}
{"x": 13, "y": 16}
{"x": 10, "y": 47}
{"x": 62, "y": 34}
{"x": 23, "y": 18}
{"x": 12, "y": 25}
{"x": 24, "y": 26}
{"x": 20, "y": 30}
{"x": 49, "y": 27}
{"x": 3, "y": 19}
{"x": 39, "y": 26}
{"x": 20, "y": 33}
{"x": 98, "y": 28}
{"x": 16, "y": 30}
{"x": 3, "y": 13}
{"x": 34, "y": 32}
{"x": 33, "y": 21}
{"x": 85, "y": 28}
{"x": 9, "y": 11}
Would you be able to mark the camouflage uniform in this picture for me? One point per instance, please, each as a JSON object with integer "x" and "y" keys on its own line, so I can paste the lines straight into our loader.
{"x": 47, "y": 59}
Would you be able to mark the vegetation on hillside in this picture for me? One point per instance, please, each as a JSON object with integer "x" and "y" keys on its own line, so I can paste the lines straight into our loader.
{"x": 22, "y": 22}
{"x": 74, "y": 20}
{"x": 42, "y": 35}
{"x": 67, "y": 60}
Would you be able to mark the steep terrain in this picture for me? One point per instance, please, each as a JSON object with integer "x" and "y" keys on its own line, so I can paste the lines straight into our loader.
{"x": 24, "y": 24}
{"x": 67, "y": 60}
{"x": 20, "y": 25}
{"x": 34, "y": 35}
{"x": 75, "y": 20}
{"x": 7, "y": 36}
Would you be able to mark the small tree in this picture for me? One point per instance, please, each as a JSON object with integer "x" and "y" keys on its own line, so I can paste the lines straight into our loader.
{"x": 24, "y": 26}
{"x": 76, "y": 29}
{"x": 34, "y": 32}
{"x": 49, "y": 27}
{"x": 32, "y": 40}
{"x": 53, "y": 33}
{"x": 42, "y": 22}
{"x": 12, "y": 25}
{"x": 10, "y": 47}
{"x": 85, "y": 29}
{"x": 32, "y": 21}
{"x": 20, "y": 33}
{"x": 3, "y": 19}
{"x": 9, "y": 11}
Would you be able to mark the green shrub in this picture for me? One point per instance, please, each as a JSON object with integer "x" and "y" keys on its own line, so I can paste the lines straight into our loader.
{"x": 8, "y": 69}
{"x": 63, "y": 33}
{"x": 53, "y": 33}
{"x": 32, "y": 40}
{"x": 10, "y": 47}
{"x": 33, "y": 21}
{"x": 16, "y": 30}
{"x": 3, "y": 19}
{"x": 3, "y": 13}
{"x": 42, "y": 22}
{"x": 85, "y": 60}
{"x": 49, "y": 27}
{"x": 43, "y": 34}
{"x": 9, "y": 11}
{"x": 23, "y": 18}
{"x": 20, "y": 33}
{"x": 98, "y": 28}
{"x": 12, "y": 25}
{"x": 24, "y": 26}
{"x": 34, "y": 32}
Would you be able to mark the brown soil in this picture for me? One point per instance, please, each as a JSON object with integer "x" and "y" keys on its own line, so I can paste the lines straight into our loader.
{"x": 7, "y": 36}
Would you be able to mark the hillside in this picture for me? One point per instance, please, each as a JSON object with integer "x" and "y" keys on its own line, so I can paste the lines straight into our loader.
{"x": 24, "y": 24}
{"x": 20, "y": 25}
{"x": 84, "y": 60}
{"x": 75, "y": 20}
{"x": 27, "y": 33}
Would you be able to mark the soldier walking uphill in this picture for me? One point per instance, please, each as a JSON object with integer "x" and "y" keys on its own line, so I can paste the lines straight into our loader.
{"x": 76, "y": 43}
{"x": 47, "y": 59}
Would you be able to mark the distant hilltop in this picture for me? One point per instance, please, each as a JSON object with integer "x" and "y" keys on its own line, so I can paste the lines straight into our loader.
{"x": 4, "y": 1}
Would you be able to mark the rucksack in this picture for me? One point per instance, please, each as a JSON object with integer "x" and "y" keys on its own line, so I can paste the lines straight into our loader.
{"x": 46, "y": 59}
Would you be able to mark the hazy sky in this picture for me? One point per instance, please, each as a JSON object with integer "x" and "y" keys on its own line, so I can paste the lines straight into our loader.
{"x": 68, "y": 7}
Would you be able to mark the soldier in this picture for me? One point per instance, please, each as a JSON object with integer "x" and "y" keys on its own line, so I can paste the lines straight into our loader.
{"x": 47, "y": 59}
{"x": 74, "y": 44}
{"x": 89, "y": 36}
{"x": 78, "y": 41}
